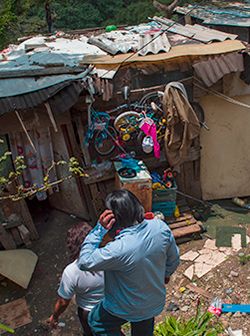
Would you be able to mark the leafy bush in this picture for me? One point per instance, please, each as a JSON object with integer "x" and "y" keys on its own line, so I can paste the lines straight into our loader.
{"x": 203, "y": 324}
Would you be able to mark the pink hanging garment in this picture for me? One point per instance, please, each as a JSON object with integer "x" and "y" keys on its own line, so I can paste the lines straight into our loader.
{"x": 149, "y": 128}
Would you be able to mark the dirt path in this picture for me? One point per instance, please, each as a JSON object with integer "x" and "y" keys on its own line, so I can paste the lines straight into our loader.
{"x": 51, "y": 250}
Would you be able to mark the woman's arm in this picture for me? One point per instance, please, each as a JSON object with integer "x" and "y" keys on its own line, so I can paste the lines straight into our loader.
{"x": 94, "y": 258}
{"x": 60, "y": 307}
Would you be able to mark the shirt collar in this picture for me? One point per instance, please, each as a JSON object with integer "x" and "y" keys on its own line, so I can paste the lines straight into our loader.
{"x": 132, "y": 229}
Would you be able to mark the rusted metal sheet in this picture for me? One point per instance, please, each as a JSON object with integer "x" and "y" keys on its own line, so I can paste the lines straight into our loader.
{"x": 230, "y": 14}
{"x": 212, "y": 70}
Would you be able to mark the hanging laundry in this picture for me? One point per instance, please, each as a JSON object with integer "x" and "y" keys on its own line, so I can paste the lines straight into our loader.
{"x": 38, "y": 162}
{"x": 182, "y": 124}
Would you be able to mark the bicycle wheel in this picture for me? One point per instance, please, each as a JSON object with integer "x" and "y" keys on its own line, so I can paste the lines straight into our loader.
{"x": 127, "y": 121}
{"x": 105, "y": 141}
{"x": 155, "y": 97}
{"x": 198, "y": 109}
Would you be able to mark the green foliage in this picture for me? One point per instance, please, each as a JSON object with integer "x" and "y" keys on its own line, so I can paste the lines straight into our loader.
{"x": 136, "y": 12}
{"x": 24, "y": 17}
{"x": 76, "y": 15}
{"x": 8, "y": 20}
{"x": 203, "y": 324}
{"x": 244, "y": 258}
{"x": 11, "y": 176}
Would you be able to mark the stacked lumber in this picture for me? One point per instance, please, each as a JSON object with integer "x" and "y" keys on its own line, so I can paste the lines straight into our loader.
{"x": 185, "y": 227}
{"x": 14, "y": 235}
{"x": 16, "y": 225}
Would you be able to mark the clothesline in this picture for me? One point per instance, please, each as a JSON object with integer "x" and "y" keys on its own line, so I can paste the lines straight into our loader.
{"x": 156, "y": 88}
{"x": 221, "y": 95}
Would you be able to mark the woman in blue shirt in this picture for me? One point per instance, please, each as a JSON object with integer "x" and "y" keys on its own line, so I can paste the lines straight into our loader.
{"x": 136, "y": 265}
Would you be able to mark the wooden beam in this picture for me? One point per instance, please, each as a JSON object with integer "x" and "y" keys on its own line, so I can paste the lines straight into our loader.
{"x": 27, "y": 219}
{"x": 25, "y": 234}
{"x": 16, "y": 236}
{"x": 6, "y": 239}
{"x": 51, "y": 116}
{"x": 186, "y": 230}
{"x": 182, "y": 224}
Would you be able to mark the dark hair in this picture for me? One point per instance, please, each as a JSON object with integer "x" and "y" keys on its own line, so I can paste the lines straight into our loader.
{"x": 126, "y": 207}
{"x": 75, "y": 237}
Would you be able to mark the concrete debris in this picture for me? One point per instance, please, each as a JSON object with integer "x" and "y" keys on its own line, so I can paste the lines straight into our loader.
{"x": 237, "y": 314}
{"x": 236, "y": 242}
{"x": 229, "y": 291}
{"x": 172, "y": 307}
{"x": 209, "y": 257}
{"x": 210, "y": 244}
{"x": 234, "y": 332}
{"x": 189, "y": 273}
{"x": 185, "y": 308}
{"x": 189, "y": 256}
{"x": 233, "y": 274}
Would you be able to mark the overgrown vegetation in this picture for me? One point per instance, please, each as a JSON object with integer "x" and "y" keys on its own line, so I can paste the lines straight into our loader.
{"x": 24, "y": 17}
{"x": 203, "y": 324}
{"x": 12, "y": 186}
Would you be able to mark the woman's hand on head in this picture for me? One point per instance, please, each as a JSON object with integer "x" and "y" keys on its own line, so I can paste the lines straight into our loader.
{"x": 107, "y": 219}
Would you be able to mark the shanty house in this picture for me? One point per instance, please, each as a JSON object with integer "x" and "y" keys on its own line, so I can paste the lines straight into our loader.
{"x": 45, "y": 84}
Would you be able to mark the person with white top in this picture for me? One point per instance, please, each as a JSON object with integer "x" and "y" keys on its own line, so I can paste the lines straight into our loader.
{"x": 88, "y": 287}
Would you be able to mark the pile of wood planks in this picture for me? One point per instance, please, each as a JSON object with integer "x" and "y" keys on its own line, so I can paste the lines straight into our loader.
{"x": 16, "y": 225}
{"x": 185, "y": 227}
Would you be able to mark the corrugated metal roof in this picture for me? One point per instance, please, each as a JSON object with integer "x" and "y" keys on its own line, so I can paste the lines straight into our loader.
{"x": 18, "y": 86}
{"x": 195, "y": 32}
{"x": 42, "y": 52}
{"x": 153, "y": 44}
{"x": 115, "y": 42}
{"x": 231, "y": 14}
{"x": 60, "y": 97}
{"x": 134, "y": 38}
{"x": 210, "y": 71}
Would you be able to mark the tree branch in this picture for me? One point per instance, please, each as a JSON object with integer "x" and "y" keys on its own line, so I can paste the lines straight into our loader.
{"x": 167, "y": 9}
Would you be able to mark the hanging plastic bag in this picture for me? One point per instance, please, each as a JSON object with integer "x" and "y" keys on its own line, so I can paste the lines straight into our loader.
{"x": 148, "y": 144}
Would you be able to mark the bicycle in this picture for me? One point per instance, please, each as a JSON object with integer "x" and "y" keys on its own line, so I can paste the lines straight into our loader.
{"x": 126, "y": 125}
{"x": 150, "y": 106}
{"x": 100, "y": 132}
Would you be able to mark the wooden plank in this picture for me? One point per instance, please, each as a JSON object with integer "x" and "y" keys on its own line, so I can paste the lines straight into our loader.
{"x": 182, "y": 224}
{"x": 15, "y": 314}
{"x": 81, "y": 134}
{"x": 16, "y": 236}
{"x": 25, "y": 234}
{"x": 187, "y": 230}
{"x": 105, "y": 177}
{"x": 27, "y": 219}
{"x": 180, "y": 219}
{"x": 96, "y": 198}
{"x": 6, "y": 239}
{"x": 11, "y": 225}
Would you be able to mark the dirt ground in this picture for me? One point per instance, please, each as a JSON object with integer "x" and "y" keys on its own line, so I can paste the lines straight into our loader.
{"x": 53, "y": 257}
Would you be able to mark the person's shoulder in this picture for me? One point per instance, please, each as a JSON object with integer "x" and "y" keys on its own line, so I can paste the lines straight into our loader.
{"x": 72, "y": 270}
{"x": 160, "y": 224}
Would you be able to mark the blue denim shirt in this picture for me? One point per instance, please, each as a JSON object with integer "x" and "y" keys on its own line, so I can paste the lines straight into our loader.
{"x": 135, "y": 264}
